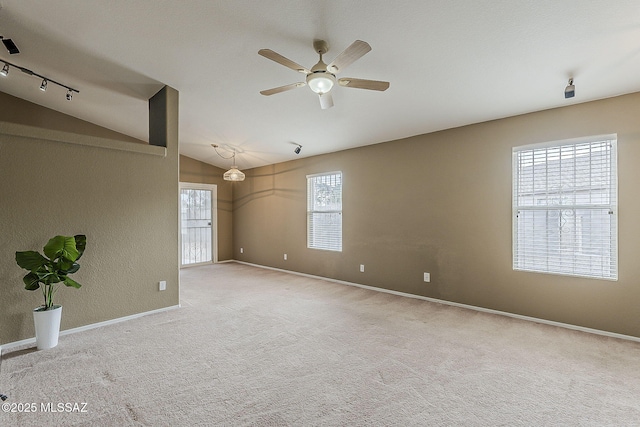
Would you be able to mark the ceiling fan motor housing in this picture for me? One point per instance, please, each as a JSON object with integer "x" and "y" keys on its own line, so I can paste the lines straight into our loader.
{"x": 320, "y": 80}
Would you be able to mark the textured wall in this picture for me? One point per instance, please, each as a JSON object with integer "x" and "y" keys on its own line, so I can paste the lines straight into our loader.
{"x": 195, "y": 171}
{"x": 441, "y": 203}
{"x": 126, "y": 203}
{"x": 16, "y": 110}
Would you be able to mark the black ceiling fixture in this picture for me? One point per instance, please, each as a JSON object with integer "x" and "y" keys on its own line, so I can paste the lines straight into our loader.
{"x": 45, "y": 80}
{"x": 10, "y": 45}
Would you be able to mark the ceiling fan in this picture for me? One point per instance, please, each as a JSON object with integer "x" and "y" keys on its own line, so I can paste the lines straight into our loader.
{"x": 322, "y": 77}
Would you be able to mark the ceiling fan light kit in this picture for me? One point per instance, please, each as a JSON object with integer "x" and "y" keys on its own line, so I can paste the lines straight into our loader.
{"x": 321, "y": 78}
{"x": 321, "y": 82}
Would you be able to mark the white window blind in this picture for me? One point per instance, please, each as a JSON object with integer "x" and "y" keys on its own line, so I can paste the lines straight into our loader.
{"x": 565, "y": 208}
{"x": 324, "y": 211}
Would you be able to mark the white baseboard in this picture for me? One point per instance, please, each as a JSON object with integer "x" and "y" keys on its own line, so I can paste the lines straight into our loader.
{"x": 200, "y": 264}
{"x": 456, "y": 304}
{"x": 14, "y": 344}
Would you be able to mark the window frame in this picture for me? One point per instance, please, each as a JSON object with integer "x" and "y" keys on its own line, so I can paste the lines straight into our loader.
{"x": 313, "y": 210}
{"x": 609, "y": 248}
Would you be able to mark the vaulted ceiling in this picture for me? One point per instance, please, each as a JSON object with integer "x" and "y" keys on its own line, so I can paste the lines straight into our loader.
{"x": 449, "y": 62}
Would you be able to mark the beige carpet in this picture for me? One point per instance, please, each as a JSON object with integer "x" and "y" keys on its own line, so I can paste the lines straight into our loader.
{"x": 254, "y": 347}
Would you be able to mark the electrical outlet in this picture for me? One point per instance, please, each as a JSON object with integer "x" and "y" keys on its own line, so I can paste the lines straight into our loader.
{"x": 285, "y": 257}
{"x": 162, "y": 285}
{"x": 361, "y": 268}
{"x": 427, "y": 277}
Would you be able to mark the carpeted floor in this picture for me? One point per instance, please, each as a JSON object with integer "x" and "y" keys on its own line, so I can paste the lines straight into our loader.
{"x": 254, "y": 347}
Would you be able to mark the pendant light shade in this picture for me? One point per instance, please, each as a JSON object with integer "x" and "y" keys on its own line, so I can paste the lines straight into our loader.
{"x": 233, "y": 174}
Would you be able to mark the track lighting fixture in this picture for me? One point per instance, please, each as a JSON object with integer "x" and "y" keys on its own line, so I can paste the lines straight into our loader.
{"x": 233, "y": 174}
{"x": 45, "y": 80}
{"x": 298, "y": 148}
{"x": 570, "y": 90}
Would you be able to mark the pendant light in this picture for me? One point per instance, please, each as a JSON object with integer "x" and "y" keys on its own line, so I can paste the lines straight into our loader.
{"x": 233, "y": 174}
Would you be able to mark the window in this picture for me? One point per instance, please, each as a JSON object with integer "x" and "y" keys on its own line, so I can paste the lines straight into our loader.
{"x": 565, "y": 208}
{"x": 324, "y": 211}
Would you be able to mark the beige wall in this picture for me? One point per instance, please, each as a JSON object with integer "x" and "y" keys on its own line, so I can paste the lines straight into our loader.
{"x": 441, "y": 203}
{"x": 449, "y": 214}
{"x": 198, "y": 172}
{"x": 23, "y": 112}
{"x": 125, "y": 202}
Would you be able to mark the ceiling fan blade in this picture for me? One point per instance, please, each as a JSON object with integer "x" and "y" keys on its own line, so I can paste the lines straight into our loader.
{"x": 282, "y": 88}
{"x": 356, "y": 50}
{"x": 269, "y": 54}
{"x": 363, "y": 84}
{"x": 326, "y": 100}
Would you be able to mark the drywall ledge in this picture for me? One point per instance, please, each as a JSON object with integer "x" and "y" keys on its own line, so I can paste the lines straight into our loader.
{"x": 31, "y": 132}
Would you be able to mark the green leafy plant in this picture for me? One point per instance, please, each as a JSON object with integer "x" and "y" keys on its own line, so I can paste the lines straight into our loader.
{"x": 58, "y": 261}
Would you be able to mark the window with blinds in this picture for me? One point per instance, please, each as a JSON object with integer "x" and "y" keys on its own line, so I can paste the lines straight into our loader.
{"x": 324, "y": 211}
{"x": 565, "y": 208}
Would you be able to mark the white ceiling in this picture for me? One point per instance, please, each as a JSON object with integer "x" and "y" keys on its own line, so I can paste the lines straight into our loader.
{"x": 450, "y": 63}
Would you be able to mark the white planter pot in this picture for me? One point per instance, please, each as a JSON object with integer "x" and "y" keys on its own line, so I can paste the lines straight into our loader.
{"x": 47, "y": 324}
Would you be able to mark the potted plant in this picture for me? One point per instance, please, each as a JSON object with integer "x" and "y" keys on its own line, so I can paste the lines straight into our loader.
{"x": 46, "y": 271}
